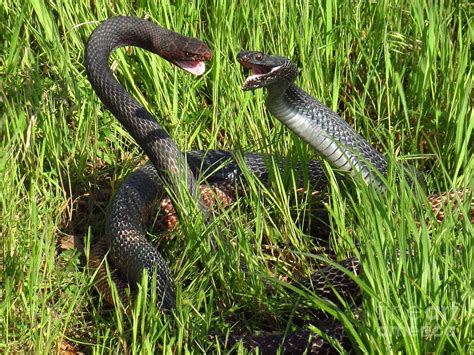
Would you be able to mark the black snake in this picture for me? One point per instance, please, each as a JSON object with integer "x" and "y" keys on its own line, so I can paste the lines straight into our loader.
{"x": 125, "y": 241}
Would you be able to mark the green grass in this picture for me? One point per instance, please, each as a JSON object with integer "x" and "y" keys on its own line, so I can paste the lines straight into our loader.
{"x": 399, "y": 71}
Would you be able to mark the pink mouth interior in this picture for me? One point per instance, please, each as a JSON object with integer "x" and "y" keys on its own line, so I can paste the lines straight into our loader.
{"x": 194, "y": 67}
{"x": 258, "y": 70}
{"x": 255, "y": 68}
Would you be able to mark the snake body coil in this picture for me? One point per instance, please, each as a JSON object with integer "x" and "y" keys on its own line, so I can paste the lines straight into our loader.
{"x": 130, "y": 251}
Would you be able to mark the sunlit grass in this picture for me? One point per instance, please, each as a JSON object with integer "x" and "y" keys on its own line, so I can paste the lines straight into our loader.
{"x": 400, "y": 72}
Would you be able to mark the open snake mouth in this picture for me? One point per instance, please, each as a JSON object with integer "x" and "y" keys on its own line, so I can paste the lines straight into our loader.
{"x": 195, "y": 67}
{"x": 259, "y": 73}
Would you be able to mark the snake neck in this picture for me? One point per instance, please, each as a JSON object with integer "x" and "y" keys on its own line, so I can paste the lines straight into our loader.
{"x": 157, "y": 144}
{"x": 112, "y": 34}
{"x": 332, "y": 137}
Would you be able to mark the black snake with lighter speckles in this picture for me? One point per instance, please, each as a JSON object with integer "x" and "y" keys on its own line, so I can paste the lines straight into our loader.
{"x": 125, "y": 243}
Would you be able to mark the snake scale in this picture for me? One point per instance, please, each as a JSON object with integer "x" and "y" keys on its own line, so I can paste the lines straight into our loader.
{"x": 125, "y": 242}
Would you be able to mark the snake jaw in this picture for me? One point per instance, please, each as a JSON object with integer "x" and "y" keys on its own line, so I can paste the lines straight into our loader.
{"x": 194, "y": 67}
{"x": 260, "y": 75}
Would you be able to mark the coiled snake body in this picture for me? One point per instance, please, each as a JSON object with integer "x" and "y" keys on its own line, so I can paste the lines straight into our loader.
{"x": 125, "y": 242}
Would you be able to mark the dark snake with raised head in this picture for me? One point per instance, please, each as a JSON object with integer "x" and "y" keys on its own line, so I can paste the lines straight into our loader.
{"x": 125, "y": 243}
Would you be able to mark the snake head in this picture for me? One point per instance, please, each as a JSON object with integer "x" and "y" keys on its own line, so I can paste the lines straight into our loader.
{"x": 266, "y": 69}
{"x": 187, "y": 53}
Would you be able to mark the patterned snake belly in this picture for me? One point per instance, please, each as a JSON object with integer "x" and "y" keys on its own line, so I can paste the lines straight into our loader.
{"x": 125, "y": 243}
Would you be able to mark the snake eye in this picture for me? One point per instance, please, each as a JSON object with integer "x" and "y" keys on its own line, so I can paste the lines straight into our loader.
{"x": 188, "y": 54}
{"x": 259, "y": 56}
